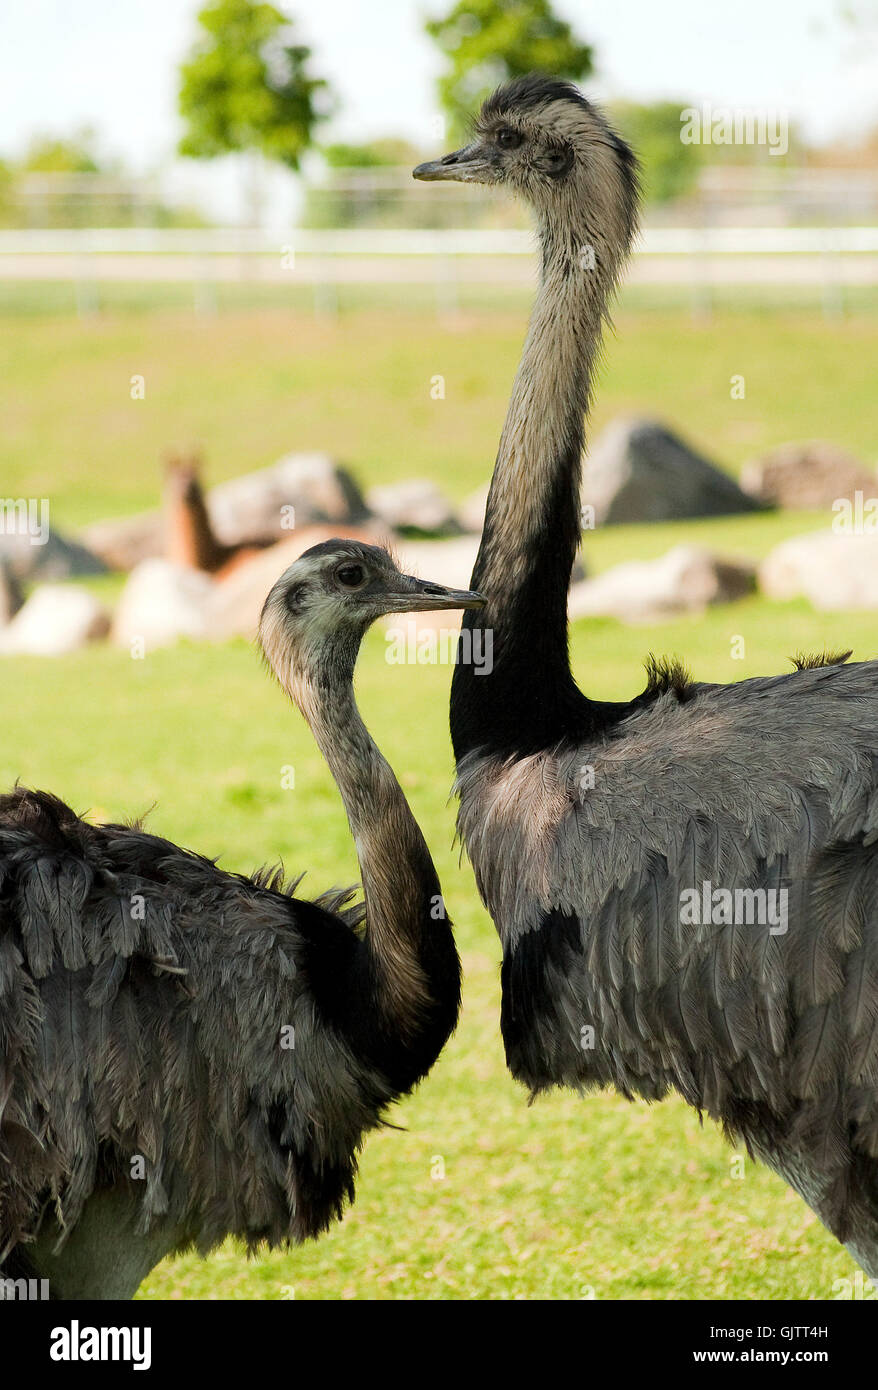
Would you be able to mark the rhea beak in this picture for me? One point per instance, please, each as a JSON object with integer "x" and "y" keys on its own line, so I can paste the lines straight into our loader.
{"x": 472, "y": 164}
{"x": 419, "y": 595}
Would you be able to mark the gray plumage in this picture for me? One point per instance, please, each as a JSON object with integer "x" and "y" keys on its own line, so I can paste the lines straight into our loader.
{"x": 594, "y": 827}
{"x": 186, "y": 1053}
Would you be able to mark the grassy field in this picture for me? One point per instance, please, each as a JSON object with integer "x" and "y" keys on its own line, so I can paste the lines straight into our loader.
{"x": 481, "y": 1196}
{"x": 250, "y": 386}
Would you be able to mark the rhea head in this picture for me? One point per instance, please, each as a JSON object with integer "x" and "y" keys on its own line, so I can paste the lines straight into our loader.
{"x": 540, "y": 138}
{"x": 317, "y": 613}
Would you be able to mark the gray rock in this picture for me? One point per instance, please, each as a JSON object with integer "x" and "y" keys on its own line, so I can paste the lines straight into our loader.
{"x": 298, "y": 490}
{"x": 11, "y": 597}
{"x": 162, "y": 602}
{"x": 55, "y": 558}
{"x": 640, "y": 471}
{"x": 810, "y": 475}
{"x": 57, "y": 618}
{"x": 472, "y": 510}
{"x": 831, "y": 569}
{"x": 123, "y": 542}
{"x": 416, "y": 505}
{"x": 684, "y": 580}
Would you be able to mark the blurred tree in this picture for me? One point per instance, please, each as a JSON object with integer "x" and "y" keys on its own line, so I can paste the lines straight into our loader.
{"x": 488, "y": 41}
{"x": 7, "y": 194}
{"x": 245, "y": 87}
{"x": 389, "y": 150}
{"x": 669, "y": 168}
{"x": 55, "y": 154}
{"x": 352, "y": 197}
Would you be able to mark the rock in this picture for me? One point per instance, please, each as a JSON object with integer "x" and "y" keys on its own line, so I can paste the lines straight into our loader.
{"x": 123, "y": 542}
{"x": 640, "y": 471}
{"x": 832, "y": 570}
{"x": 54, "y": 558}
{"x": 685, "y": 579}
{"x": 57, "y": 618}
{"x": 811, "y": 475}
{"x": 472, "y": 510}
{"x": 414, "y": 506}
{"x": 256, "y": 506}
{"x": 253, "y": 508}
{"x": 237, "y": 600}
{"x": 449, "y": 562}
{"x": 11, "y": 597}
{"x": 162, "y": 602}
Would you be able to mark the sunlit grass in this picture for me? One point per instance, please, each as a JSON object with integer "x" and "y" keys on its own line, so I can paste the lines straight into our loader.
{"x": 481, "y": 1196}
{"x": 250, "y": 385}
{"x": 565, "y": 1199}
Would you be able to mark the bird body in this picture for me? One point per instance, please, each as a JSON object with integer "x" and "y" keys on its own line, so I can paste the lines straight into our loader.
{"x": 685, "y": 884}
{"x": 187, "y": 1053}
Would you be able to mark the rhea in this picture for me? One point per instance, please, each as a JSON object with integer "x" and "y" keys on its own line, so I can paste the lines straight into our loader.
{"x": 185, "y": 1053}
{"x": 594, "y": 826}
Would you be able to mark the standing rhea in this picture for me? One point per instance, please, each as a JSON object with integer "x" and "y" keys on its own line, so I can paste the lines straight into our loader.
{"x": 685, "y": 884}
{"x": 187, "y": 1054}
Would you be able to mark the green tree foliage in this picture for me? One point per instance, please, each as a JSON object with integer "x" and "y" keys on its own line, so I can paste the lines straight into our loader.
{"x": 55, "y": 154}
{"x": 388, "y": 150}
{"x": 669, "y": 168}
{"x": 246, "y": 86}
{"x": 488, "y": 41}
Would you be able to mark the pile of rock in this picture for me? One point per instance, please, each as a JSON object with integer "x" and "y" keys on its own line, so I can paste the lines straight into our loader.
{"x": 638, "y": 470}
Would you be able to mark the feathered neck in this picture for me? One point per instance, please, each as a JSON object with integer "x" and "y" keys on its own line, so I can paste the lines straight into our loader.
{"x": 406, "y": 977}
{"x": 532, "y": 521}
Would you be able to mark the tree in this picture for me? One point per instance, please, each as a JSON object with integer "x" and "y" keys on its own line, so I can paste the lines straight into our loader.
{"x": 58, "y": 154}
{"x": 245, "y": 86}
{"x": 386, "y": 151}
{"x": 669, "y": 168}
{"x": 488, "y": 41}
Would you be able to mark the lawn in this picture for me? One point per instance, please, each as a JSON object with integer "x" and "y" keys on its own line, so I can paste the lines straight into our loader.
{"x": 249, "y": 386}
{"x": 480, "y": 1195}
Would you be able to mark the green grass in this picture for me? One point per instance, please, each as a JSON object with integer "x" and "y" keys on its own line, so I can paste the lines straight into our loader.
{"x": 571, "y": 1196}
{"x": 559, "y": 1200}
{"x": 251, "y": 385}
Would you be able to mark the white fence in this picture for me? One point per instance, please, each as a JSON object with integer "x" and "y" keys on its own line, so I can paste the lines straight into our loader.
{"x": 700, "y": 259}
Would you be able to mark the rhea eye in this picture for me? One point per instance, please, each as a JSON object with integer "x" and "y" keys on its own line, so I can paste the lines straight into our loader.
{"x": 508, "y": 139}
{"x": 351, "y": 576}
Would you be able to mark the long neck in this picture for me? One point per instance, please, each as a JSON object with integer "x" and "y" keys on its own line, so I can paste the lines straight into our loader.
{"x": 408, "y": 969}
{"x": 189, "y": 538}
{"x": 532, "y": 521}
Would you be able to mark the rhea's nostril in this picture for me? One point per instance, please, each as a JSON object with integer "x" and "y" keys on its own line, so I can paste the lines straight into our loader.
{"x": 433, "y": 589}
{"x": 450, "y": 158}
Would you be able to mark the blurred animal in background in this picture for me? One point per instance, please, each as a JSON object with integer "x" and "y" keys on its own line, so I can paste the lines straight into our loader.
{"x": 189, "y": 536}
